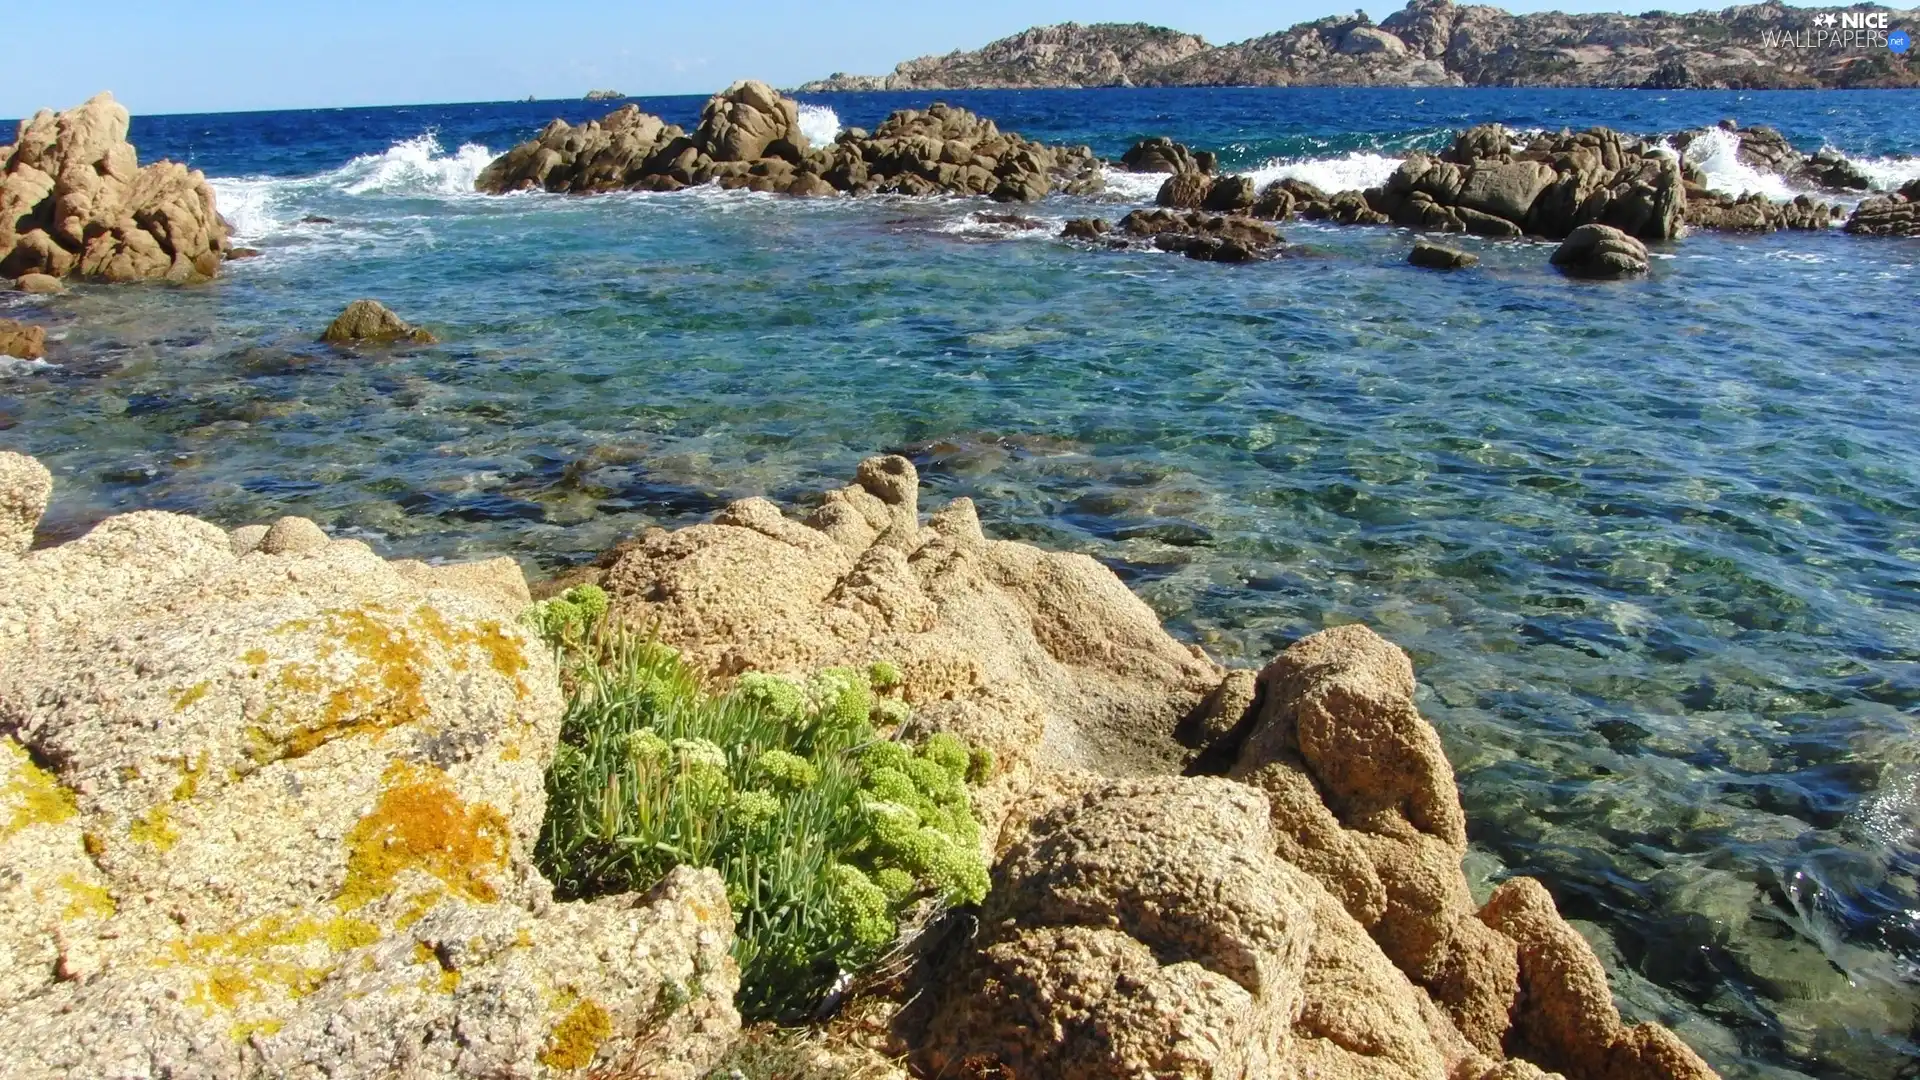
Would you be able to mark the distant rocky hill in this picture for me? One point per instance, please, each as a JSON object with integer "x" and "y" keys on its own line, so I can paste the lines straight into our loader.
{"x": 1439, "y": 43}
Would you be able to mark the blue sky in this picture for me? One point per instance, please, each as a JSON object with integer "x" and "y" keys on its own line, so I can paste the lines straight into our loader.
{"x": 223, "y": 55}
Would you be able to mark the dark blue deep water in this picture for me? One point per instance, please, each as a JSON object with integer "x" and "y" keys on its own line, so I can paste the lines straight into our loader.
{"x": 1653, "y": 545}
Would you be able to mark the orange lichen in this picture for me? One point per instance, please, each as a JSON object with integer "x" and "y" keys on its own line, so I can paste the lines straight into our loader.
{"x": 93, "y": 844}
{"x": 155, "y": 828}
{"x": 33, "y": 795}
{"x": 577, "y": 1038}
{"x": 391, "y": 654}
{"x": 271, "y": 953}
{"x": 190, "y": 695}
{"x": 421, "y": 824}
{"x": 85, "y": 900}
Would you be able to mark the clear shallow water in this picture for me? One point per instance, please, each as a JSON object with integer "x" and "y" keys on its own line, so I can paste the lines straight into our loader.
{"x": 1654, "y": 545}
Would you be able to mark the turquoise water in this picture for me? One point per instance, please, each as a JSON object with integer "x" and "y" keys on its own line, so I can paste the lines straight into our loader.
{"x": 1653, "y": 545}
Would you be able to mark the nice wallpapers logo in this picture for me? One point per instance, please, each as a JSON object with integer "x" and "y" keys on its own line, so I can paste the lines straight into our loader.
{"x": 1843, "y": 30}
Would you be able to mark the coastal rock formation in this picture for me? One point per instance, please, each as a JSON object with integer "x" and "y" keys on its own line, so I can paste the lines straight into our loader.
{"x": 270, "y": 814}
{"x": 1203, "y": 236}
{"x": 74, "y": 201}
{"x": 1600, "y": 251}
{"x": 749, "y": 137}
{"x": 1490, "y": 183}
{"x": 1428, "y": 43}
{"x": 1436, "y": 257}
{"x": 999, "y": 642}
{"x": 1293, "y": 906}
{"x": 604, "y": 95}
{"x": 1069, "y": 54}
{"x": 1324, "y": 927}
{"x": 1754, "y": 212}
{"x": 1897, "y": 214}
{"x": 371, "y": 322}
{"x": 1160, "y": 154}
{"x": 1765, "y": 148}
{"x": 21, "y": 341}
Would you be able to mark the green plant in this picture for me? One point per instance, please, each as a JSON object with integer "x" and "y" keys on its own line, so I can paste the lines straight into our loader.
{"x": 569, "y": 618}
{"x": 824, "y": 829}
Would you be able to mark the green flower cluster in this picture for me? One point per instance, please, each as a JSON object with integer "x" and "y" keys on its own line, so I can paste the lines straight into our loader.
{"x": 825, "y": 830}
{"x": 568, "y": 618}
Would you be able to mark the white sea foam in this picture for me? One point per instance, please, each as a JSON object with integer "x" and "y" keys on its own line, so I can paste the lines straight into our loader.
{"x": 1889, "y": 173}
{"x": 261, "y": 207}
{"x": 1716, "y": 153}
{"x": 819, "y": 124}
{"x": 1359, "y": 169}
{"x": 1133, "y": 186}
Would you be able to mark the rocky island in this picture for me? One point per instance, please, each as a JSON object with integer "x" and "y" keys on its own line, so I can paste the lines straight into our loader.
{"x": 1427, "y": 43}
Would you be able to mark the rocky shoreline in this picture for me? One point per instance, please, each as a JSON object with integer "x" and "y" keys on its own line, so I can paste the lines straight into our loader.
{"x": 1429, "y": 43}
{"x": 270, "y": 800}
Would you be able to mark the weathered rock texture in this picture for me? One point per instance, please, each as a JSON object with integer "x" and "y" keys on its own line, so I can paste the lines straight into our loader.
{"x": 371, "y": 322}
{"x": 749, "y": 137}
{"x": 1428, "y": 43}
{"x": 1199, "y": 235}
{"x": 74, "y": 201}
{"x": 1437, "y": 257}
{"x": 266, "y": 806}
{"x": 1032, "y": 654}
{"x": 1304, "y": 914}
{"x": 1160, "y": 154}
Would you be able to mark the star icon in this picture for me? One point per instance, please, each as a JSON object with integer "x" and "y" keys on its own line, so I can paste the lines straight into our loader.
{"x": 1824, "y": 19}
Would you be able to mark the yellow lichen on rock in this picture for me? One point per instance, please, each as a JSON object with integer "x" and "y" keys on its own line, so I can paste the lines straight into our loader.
{"x": 578, "y": 1036}
{"x": 285, "y": 954}
{"x": 155, "y": 829}
{"x": 421, "y": 824}
{"x": 31, "y": 795}
{"x": 87, "y": 900}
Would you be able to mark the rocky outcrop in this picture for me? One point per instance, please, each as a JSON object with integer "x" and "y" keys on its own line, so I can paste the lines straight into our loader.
{"x": 1293, "y": 905}
{"x": 604, "y": 95}
{"x": 75, "y": 202}
{"x": 1430, "y": 43}
{"x": 1203, "y": 236}
{"x": 21, "y": 341}
{"x": 1069, "y": 54}
{"x": 749, "y": 137}
{"x": 1436, "y": 257}
{"x": 1897, "y": 214}
{"x": 1600, "y": 251}
{"x": 369, "y": 322}
{"x": 1160, "y": 154}
{"x": 1306, "y": 917}
{"x": 1491, "y": 184}
{"x": 267, "y": 803}
{"x": 1754, "y": 212}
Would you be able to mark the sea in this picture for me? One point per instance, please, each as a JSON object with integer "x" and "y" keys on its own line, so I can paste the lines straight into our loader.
{"x": 1653, "y": 545}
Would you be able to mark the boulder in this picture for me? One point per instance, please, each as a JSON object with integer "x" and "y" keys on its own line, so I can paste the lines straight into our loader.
{"x": 1435, "y": 257}
{"x": 1086, "y": 229}
{"x": 1159, "y": 154}
{"x": 1184, "y": 191}
{"x": 1369, "y": 41}
{"x": 1754, "y": 212}
{"x": 271, "y": 814}
{"x": 1600, "y": 251}
{"x": 1230, "y": 195}
{"x": 1505, "y": 189}
{"x": 22, "y": 341}
{"x": 41, "y": 284}
{"x": 370, "y": 322}
{"x": 600, "y": 155}
{"x": 74, "y": 201}
{"x": 743, "y": 121}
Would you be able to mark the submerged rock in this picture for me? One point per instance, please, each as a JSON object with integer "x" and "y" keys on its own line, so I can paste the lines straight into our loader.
{"x": 749, "y": 137}
{"x": 42, "y": 284}
{"x": 271, "y": 814}
{"x": 370, "y": 322}
{"x": 1208, "y": 237}
{"x": 1600, "y": 251}
{"x": 74, "y": 202}
{"x": 22, "y": 341}
{"x": 1435, "y": 257}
